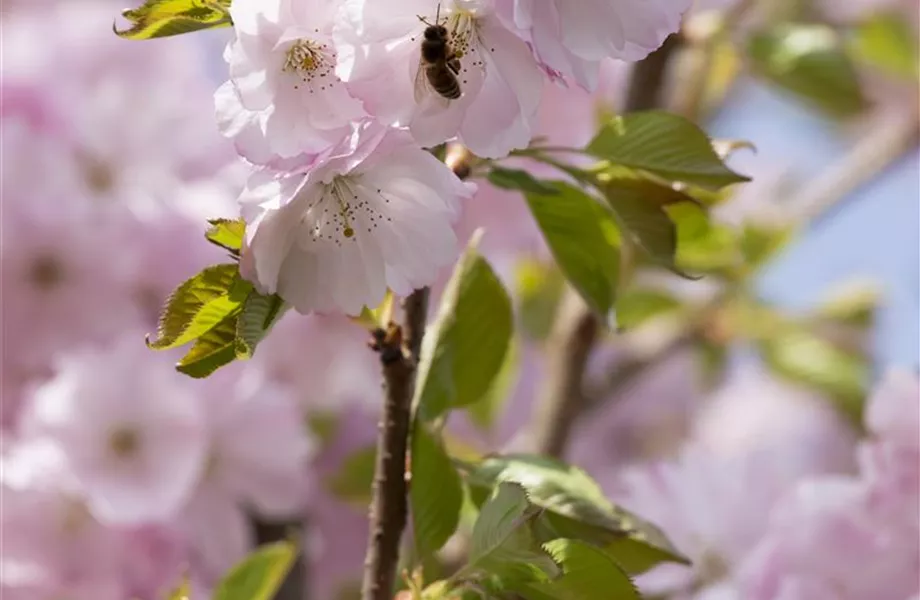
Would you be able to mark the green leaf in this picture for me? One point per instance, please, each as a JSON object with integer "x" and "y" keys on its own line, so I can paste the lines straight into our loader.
{"x": 503, "y": 542}
{"x": 213, "y": 349}
{"x": 436, "y": 492}
{"x": 200, "y": 304}
{"x": 463, "y": 351}
{"x": 484, "y": 411}
{"x": 589, "y": 574}
{"x": 259, "y": 575}
{"x": 810, "y": 62}
{"x": 162, "y": 18}
{"x": 227, "y": 233}
{"x": 802, "y": 357}
{"x": 584, "y": 241}
{"x": 637, "y": 305}
{"x": 886, "y": 41}
{"x": 516, "y": 179}
{"x": 701, "y": 244}
{"x": 759, "y": 243}
{"x": 665, "y": 145}
{"x": 354, "y": 478}
{"x": 257, "y": 317}
{"x": 575, "y": 507}
{"x": 639, "y": 208}
{"x": 852, "y": 304}
{"x": 538, "y": 290}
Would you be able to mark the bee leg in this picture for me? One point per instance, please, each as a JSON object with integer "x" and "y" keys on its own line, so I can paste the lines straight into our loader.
{"x": 454, "y": 65}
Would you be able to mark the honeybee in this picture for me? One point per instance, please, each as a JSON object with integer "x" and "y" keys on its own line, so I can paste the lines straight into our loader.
{"x": 439, "y": 64}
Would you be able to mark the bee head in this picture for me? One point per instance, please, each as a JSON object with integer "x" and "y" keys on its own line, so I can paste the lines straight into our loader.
{"x": 435, "y": 32}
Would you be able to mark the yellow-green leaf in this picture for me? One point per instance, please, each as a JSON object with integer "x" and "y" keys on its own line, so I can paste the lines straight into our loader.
{"x": 802, "y": 357}
{"x": 809, "y": 60}
{"x": 436, "y": 493}
{"x": 538, "y": 290}
{"x": 212, "y": 350}
{"x": 484, "y": 411}
{"x": 636, "y": 305}
{"x": 588, "y": 574}
{"x": 227, "y": 233}
{"x": 162, "y": 18}
{"x": 257, "y": 317}
{"x": 639, "y": 208}
{"x": 259, "y": 575}
{"x": 886, "y": 41}
{"x": 353, "y": 479}
{"x": 583, "y": 238}
{"x": 575, "y": 507}
{"x": 665, "y": 145}
{"x": 463, "y": 350}
{"x": 199, "y": 304}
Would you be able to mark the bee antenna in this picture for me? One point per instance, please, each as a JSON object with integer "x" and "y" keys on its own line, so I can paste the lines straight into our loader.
{"x": 437, "y": 15}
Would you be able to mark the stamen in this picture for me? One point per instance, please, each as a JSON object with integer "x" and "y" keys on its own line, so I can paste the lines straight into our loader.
{"x": 311, "y": 62}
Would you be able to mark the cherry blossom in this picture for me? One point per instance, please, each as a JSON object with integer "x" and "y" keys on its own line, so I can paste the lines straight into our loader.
{"x": 51, "y": 542}
{"x": 373, "y": 213}
{"x": 133, "y": 434}
{"x": 379, "y": 56}
{"x": 283, "y": 97}
{"x": 572, "y": 38}
{"x": 324, "y": 359}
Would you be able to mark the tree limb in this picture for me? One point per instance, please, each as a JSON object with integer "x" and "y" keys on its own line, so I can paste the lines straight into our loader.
{"x": 399, "y": 349}
{"x": 389, "y": 505}
{"x": 576, "y": 328}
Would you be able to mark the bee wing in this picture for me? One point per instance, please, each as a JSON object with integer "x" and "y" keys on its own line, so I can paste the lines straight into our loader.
{"x": 421, "y": 86}
{"x": 424, "y": 93}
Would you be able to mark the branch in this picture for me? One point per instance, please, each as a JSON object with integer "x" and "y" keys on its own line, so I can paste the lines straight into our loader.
{"x": 389, "y": 505}
{"x": 889, "y": 138}
{"x": 576, "y": 328}
{"x": 399, "y": 349}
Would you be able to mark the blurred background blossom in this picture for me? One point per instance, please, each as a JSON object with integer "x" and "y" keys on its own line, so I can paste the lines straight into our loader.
{"x": 756, "y": 451}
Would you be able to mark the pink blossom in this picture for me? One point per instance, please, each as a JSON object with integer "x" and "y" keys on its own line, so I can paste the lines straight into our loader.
{"x": 379, "y": 56}
{"x": 154, "y": 559}
{"x": 325, "y": 360}
{"x": 218, "y": 533}
{"x": 337, "y": 532}
{"x": 114, "y": 107}
{"x": 753, "y": 443}
{"x": 50, "y": 540}
{"x": 825, "y": 537}
{"x": 893, "y": 410}
{"x": 133, "y": 434}
{"x": 855, "y": 537}
{"x": 283, "y": 97}
{"x": 259, "y": 449}
{"x": 804, "y": 432}
{"x": 573, "y": 38}
{"x": 374, "y": 213}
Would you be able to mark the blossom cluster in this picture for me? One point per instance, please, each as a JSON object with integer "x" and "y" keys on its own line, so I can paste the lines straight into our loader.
{"x": 335, "y": 102}
{"x": 771, "y": 514}
{"x": 117, "y": 473}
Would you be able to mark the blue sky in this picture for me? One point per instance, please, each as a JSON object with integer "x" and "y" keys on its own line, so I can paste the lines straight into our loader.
{"x": 873, "y": 233}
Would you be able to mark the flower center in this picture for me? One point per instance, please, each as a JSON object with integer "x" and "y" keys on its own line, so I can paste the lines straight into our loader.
{"x": 311, "y": 63}
{"x": 345, "y": 207}
{"x": 46, "y": 272}
{"x": 124, "y": 442}
{"x": 74, "y": 515}
{"x": 461, "y": 26}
